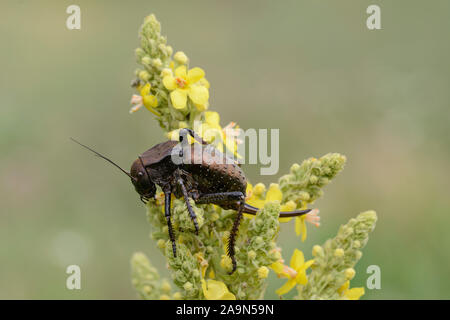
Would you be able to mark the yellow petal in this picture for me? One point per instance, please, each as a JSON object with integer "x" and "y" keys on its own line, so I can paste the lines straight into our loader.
{"x": 297, "y": 259}
{"x": 303, "y": 230}
{"x": 202, "y": 107}
{"x": 169, "y": 82}
{"x": 344, "y": 287}
{"x": 256, "y": 202}
{"x": 308, "y": 264}
{"x": 204, "y": 83}
{"x": 150, "y": 101}
{"x": 354, "y": 293}
{"x": 300, "y": 227}
{"x": 198, "y": 94}
{"x": 145, "y": 90}
{"x": 277, "y": 267}
{"x": 286, "y": 287}
{"x": 179, "y": 98}
{"x": 249, "y": 189}
{"x": 212, "y": 118}
{"x": 228, "y": 296}
{"x": 173, "y": 135}
{"x": 195, "y": 74}
{"x": 274, "y": 193}
{"x": 216, "y": 290}
{"x": 301, "y": 278}
{"x": 180, "y": 72}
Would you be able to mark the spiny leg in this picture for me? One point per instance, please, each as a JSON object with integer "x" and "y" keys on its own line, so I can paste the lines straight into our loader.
{"x": 185, "y": 131}
{"x": 188, "y": 204}
{"x": 233, "y": 234}
{"x": 169, "y": 223}
{"x": 218, "y": 198}
{"x": 228, "y": 198}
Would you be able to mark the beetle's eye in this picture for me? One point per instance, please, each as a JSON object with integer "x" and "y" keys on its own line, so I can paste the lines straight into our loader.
{"x": 140, "y": 173}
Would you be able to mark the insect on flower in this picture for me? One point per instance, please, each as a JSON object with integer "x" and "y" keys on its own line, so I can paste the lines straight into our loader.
{"x": 210, "y": 179}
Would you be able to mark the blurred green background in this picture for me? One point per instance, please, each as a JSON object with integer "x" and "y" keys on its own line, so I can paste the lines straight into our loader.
{"x": 310, "y": 68}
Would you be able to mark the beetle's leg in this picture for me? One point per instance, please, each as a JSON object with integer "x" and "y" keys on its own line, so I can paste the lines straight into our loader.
{"x": 188, "y": 204}
{"x": 218, "y": 198}
{"x": 233, "y": 234}
{"x": 185, "y": 131}
{"x": 169, "y": 223}
{"x": 144, "y": 200}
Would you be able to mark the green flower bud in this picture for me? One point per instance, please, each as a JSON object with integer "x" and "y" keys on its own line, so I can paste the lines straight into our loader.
{"x": 144, "y": 76}
{"x": 339, "y": 253}
{"x": 317, "y": 251}
{"x": 157, "y": 63}
{"x": 180, "y": 57}
{"x": 349, "y": 273}
{"x": 146, "y": 60}
{"x": 263, "y": 272}
{"x": 251, "y": 254}
{"x": 188, "y": 286}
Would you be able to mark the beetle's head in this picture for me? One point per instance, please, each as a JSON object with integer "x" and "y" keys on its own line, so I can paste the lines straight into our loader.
{"x": 141, "y": 180}
{"x": 138, "y": 175}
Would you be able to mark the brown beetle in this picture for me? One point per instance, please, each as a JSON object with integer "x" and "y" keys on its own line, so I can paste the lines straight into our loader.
{"x": 196, "y": 171}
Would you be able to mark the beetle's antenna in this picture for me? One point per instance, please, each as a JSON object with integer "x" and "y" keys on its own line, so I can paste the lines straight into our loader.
{"x": 103, "y": 157}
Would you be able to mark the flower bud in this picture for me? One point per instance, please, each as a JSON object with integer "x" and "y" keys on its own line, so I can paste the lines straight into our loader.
{"x": 259, "y": 189}
{"x": 317, "y": 251}
{"x": 251, "y": 254}
{"x": 146, "y": 289}
{"x": 169, "y": 50}
{"x": 157, "y": 63}
{"x": 146, "y": 60}
{"x": 188, "y": 286}
{"x": 295, "y": 167}
{"x": 349, "y": 273}
{"x": 144, "y": 75}
{"x": 304, "y": 196}
{"x": 180, "y": 57}
{"x": 139, "y": 52}
{"x": 161, "y": 244}
{"x": 177, "y": 296}
{"x": 313, "y": 179}
{"x": 165, "y": 286}
{"x": 164, "y": 297}
{"x": 263, "y": 272}
{"x": 339, "y": 253}
{"x": 166, "y": 72}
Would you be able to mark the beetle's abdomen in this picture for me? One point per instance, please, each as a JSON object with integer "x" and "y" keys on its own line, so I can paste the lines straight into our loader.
{"x": 212, "y": 172}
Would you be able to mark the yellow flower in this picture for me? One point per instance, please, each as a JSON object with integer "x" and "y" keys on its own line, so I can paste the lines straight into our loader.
{"x": 211, "y": 131}
{"x": 187, "y": 84}
{"x": 216, "y": 290}
{"x": 350, "y": 294}
{"x": 296, "y": 272}
{"x": 144, "y": 99}
{"x": 257, "y": 198}
{"x": 300, "y": 222}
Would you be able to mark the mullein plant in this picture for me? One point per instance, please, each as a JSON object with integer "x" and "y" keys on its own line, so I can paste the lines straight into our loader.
{"x": 178, "y": 96}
